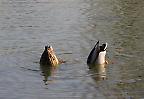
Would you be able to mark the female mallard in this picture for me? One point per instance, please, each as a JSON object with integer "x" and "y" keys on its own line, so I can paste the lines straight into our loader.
{"x": 97, "y": 55}
{"x": 48, "y": 57}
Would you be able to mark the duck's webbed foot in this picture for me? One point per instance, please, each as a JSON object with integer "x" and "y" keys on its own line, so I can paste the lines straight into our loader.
{"x": 61, "y": 61}
{"x": 106, "y": 62}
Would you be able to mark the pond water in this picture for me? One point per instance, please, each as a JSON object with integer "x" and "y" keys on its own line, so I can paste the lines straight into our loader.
{"x": 72, "y": 27}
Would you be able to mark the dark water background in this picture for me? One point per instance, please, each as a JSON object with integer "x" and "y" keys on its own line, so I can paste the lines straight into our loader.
{"x": 72, "y": 27}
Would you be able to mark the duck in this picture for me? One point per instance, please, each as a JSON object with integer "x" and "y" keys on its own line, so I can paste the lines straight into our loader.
{"x": 49, "y": 57}
{"x": 97, "y": 54}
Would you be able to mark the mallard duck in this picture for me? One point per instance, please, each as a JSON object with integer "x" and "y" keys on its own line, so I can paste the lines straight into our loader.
{"x": 97, "y": 54}
{"x": 48, "y": 57}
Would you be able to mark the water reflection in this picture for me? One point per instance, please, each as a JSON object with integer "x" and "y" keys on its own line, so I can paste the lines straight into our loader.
{"x": 47, "y": 73}
{"x": 98, "y": 72}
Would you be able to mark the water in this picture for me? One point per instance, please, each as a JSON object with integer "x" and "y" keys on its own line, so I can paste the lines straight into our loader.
{"x": 72, "y": 27}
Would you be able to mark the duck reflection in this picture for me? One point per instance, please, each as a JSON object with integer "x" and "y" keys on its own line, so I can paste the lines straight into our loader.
{"x": 98, "y": 72}
{"x": 47, "y": 73}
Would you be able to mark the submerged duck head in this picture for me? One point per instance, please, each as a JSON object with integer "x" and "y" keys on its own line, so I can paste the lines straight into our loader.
{"x": 48, "y": 57}
{"x": 97, "y": 54}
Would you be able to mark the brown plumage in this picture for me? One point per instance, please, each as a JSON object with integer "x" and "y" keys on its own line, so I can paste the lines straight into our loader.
{"x": 49, "y": 57}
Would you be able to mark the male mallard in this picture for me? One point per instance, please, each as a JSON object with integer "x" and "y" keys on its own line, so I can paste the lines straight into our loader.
{"x": 97, "y": 54}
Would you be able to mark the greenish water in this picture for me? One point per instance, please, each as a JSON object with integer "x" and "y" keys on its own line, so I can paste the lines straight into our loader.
{"x": 72, "y": 27}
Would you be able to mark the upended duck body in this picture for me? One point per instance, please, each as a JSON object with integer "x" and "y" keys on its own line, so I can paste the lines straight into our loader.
{"x": 48, "y": 57}
{"x": 97, "y": 54}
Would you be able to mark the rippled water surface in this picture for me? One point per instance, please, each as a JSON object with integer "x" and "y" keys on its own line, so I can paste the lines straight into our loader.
{"x": 72, "y": 27}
